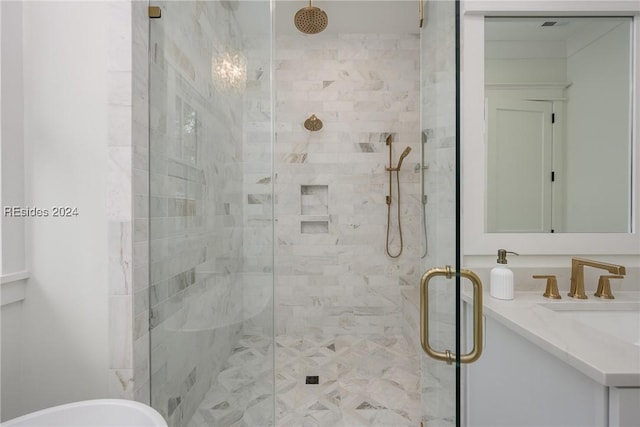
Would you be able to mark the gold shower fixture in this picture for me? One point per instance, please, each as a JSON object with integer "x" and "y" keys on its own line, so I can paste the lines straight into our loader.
{"x": 313, "y": 123}
{"x": 311, "y": 19}
{"x": 389, "y": 198}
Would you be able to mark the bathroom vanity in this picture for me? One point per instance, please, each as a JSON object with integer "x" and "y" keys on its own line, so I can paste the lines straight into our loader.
{"x": 556, "y": 363}
{"x": 548, "y": 363}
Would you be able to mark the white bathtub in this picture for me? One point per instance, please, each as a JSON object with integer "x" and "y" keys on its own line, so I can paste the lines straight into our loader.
{"x": 92, "y": 413}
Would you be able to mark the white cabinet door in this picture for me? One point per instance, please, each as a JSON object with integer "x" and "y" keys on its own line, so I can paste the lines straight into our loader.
{"x": 517, "y": 384}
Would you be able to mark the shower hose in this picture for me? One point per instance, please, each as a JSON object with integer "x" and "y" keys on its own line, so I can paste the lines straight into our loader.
{"x": 389, "y": 217}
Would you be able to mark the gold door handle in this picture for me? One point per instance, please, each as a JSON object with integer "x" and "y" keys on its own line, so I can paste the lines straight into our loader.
{"x": 447, "y": 355}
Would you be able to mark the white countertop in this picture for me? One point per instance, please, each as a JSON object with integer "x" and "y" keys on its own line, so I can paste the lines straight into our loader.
{"x": 604, "y": 358}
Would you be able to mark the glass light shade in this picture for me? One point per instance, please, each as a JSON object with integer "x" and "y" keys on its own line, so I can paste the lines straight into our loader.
{"x": 229, "y": 71}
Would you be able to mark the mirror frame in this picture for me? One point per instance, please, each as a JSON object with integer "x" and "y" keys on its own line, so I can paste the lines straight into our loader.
{"x": 476, "y": 241}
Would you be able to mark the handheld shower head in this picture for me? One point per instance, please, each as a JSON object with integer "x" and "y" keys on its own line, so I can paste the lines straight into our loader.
{"x": 404, "y": 154}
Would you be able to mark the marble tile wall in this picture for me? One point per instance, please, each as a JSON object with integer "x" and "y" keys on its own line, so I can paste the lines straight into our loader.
{"x": 333, "y": 276}
{"x": 118, "y": 199}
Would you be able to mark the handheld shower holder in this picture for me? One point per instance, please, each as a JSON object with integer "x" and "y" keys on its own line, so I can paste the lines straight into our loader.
{"x": 389, "y": 197}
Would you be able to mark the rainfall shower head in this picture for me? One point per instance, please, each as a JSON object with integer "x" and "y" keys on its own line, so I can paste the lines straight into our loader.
{"x": 311, "y": 19}
{"x": 404, "y": 154}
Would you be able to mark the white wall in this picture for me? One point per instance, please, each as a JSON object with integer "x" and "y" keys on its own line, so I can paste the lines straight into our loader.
{"x": 65, "y": 346}
{"x": 12, "y": 187}
{"x": 597, "y": 132}
{"x": 525, "y": 70}
{"x": 12, "y": 154}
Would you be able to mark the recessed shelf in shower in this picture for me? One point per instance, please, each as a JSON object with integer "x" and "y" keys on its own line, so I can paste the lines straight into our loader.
{"x": 314, "y": 207}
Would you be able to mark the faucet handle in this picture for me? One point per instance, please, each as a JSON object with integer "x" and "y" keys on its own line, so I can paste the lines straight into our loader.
{"x": 604, "y": 286}
{"x": 551, "y": 290}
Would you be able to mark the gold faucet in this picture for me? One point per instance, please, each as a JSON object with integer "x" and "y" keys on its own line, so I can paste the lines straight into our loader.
{"x": 577, "y": 274}
{"x": 551, "y": 290}
{"x": 604, "y": 286}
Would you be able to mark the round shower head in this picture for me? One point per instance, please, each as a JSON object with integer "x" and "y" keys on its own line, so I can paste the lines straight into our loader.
{"x": 311, "y": 19}
{"x": 313, "y": 123}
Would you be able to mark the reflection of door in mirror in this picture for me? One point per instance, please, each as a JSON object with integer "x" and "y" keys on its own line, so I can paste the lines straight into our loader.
{"x": 578, "y": 69}
{"x": 519, "y": 164}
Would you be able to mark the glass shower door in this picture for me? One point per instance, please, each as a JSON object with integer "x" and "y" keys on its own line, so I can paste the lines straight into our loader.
{"x": 440, "y": 298}
{"x": 210, "y": 253}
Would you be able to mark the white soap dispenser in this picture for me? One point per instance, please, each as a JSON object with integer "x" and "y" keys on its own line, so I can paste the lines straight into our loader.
{"x": 502, "y": 278}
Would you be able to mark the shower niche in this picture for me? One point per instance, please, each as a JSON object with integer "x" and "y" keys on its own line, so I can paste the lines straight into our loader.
{"x": 314, "y": 208}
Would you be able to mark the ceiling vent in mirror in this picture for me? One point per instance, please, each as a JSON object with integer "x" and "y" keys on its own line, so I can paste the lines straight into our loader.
{"x": 554, "y": 23}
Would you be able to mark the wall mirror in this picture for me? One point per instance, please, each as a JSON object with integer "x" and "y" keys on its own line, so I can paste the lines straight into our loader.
{"x": 592, "y": 206}
{"x": 558, "y": 124}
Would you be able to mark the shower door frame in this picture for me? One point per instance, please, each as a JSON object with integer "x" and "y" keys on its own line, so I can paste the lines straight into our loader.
{"x": 442, "y": 379}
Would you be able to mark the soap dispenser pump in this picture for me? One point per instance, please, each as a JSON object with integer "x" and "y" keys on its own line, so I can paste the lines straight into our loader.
{"x": 501, "y": 286}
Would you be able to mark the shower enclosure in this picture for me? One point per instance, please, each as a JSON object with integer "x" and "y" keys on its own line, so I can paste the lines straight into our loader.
{"x": 272, "y": 298}
{"x": 211, "y": 246}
